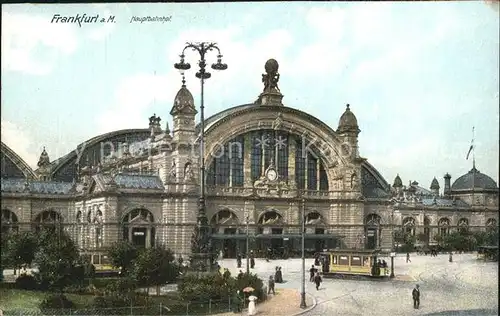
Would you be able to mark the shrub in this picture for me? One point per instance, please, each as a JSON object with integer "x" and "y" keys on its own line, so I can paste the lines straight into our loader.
{"x": 205, "y": 286}
{"x": 57, "y": 301}
{"x": 26, "y": 282}
{"x": 253, "y": 281}
{"x": 122, "y": 285}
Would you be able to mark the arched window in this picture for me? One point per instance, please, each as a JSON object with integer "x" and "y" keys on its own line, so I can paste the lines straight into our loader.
{"x": 256, "y": 159}
{"x": 491, "y": 224}
{"x": 372, "y": 232}
{"x": 222, "y": 220}
{"x": 323, "y": 178}
{"x": 463, "y": 225}
{"x": 227, "y": 165}
{"x": 47, "y": 220}
{"x": 10, "y": 223}
{"x": 272, "y": 218}
{"x": 98, "y": 227}
{"x": 409, "y": 226}
{"x": 138, "y": 228}
{"x": 444, "y": 226}
{"x": 312, "y": 172}
{"x": 300, "y": 164}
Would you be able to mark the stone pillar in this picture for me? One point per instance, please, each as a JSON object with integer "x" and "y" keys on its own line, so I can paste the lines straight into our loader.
{"x": 291, "y": 162}
{"x": 318, "y": 173}
{"x": 129, "y": 234}
{"x": 247, "y": 160}
{"x": 148, "y": 237}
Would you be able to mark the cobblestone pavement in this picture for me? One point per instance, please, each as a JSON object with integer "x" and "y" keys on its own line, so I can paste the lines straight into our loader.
{"x": 465, "y": 286}
{"x": 278, "y": 305}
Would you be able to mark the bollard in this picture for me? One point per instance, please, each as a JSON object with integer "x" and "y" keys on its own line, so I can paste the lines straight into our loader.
{"x": 161, "y": 307}
{"x": 187, "y": 308}
{"x": 210, "y": 306}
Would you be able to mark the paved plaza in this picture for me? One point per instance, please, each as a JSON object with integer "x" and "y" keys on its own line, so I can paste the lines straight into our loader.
{"x": 465, "y": 286}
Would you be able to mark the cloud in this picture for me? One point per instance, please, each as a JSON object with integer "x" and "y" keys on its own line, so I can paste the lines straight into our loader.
{"x": 24, "y": 37}
{"x": 245, "y": 59}
{"x": 133, "y": 96}
{"x": 20, "y": 142}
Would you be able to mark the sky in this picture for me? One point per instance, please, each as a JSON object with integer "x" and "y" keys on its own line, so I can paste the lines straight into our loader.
{"x": 418, "y": 76}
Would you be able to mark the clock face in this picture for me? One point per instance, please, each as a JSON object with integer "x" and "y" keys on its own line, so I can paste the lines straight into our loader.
{"x": 272, "y": 175}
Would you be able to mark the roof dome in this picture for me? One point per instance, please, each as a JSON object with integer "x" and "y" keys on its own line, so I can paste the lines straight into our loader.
{"x": 183, "y": 102}
{"x": 434, "y": 184}
{"x": 348, "y": 121}
{"x": 475, "y": 179}
{"x": 397, "y": 182}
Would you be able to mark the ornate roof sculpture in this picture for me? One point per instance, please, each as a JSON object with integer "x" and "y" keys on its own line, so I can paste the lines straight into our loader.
{"x": 13, "y": 166}
{"x": 474, "y": 179}
{"x": 397, "y": 182}
{"x": 271, "y": 94}
{"x": 434, "y": 184}
{"x": 183, "y": 102}
{"x": 348, "y": 122}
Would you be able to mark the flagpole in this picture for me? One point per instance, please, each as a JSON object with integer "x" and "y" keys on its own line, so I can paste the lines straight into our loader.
{"x": 473, "y": 168}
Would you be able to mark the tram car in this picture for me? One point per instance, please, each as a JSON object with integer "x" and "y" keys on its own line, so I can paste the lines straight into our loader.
{"x": 353, "y": 262}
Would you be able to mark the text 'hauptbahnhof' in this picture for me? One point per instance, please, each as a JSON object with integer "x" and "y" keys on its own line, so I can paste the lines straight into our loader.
{"x": 266, "y": 165}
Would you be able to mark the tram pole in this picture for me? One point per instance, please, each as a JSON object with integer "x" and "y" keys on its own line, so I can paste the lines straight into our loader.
{"x": 248, "y": 251}
{"x": 303, "y": 287}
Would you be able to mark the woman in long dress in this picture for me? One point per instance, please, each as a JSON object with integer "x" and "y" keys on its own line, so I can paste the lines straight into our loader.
{"x": 252, "y": 310}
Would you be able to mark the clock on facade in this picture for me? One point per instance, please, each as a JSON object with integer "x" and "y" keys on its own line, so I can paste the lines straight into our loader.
{"x": 272, "y": 175}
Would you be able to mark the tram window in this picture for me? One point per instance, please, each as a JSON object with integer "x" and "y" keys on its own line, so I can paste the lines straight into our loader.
{"x": 334, "y": 259}
{"x": 355, "y": 261}
{"x": 344, "y": 260}
{"x": 366, "y": 261}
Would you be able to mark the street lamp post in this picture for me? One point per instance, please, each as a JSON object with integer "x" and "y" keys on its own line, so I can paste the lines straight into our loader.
{"x": 248, "y": 251}
{"x": 303, "y": 228}
{"x": 202, "y": 239}
{"x": 393, "y": 253}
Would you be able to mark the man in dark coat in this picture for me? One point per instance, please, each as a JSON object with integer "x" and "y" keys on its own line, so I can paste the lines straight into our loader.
{"x": 312, "y": 272}
{"x": 252, "y": 260}
{"x": 317, "y": 280}
{"x": 416, "y": 297}
{"x": 408, "y": 257}
{"x": 280, "y": 275}
{"x": 238, "y": 260}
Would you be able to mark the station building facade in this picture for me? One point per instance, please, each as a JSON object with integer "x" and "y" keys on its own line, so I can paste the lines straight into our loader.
{"x": 267, "y": 165}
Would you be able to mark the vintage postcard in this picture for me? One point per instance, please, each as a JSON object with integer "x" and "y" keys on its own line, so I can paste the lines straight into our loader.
{"x": 250, "y": 158}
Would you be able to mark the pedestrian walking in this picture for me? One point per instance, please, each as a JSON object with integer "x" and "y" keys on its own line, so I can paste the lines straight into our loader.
{"x": 312, "y": 272}
{"x": 450, "y": 259}
{"x": 252, "y": 260}
{"x": 280, "y": 276}
{"x": 271, "y": 285}
{"x": 416, "y": 296}
{"x": 408, "y": 257}
{"x": 238, "y": 260}
{"x": 317, "y": 280}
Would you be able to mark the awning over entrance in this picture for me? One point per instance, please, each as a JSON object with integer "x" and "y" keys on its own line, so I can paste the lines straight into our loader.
{"x": 276, "y": 236}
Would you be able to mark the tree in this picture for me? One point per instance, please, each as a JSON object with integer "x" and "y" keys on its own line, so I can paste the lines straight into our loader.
{"x": 155, "y": 266}
{"x": 20, "y": 249}
{"x": 122, "y": 255}
{"x": 57, "y": 259}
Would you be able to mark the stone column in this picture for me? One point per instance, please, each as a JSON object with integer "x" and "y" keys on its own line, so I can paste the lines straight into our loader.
{"x": 291, "y": 162}
{"x": 318, "y": 173}
{"x": 148, "y": 237}
{"x": 247, "y": 160}
{"x": 129, "y": 234}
